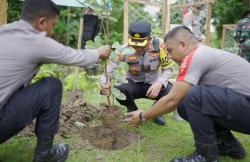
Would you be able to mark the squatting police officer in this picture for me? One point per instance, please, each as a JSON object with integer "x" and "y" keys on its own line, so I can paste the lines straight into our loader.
{"x": 148, "y": 72}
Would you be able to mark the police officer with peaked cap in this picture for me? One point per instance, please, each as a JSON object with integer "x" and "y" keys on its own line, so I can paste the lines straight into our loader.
{"x": 148, "y": 72}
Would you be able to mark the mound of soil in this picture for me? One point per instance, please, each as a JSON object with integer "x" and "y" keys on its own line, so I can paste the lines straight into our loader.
{"x": 109, "y": 139}
{"x": 79, "y": 117}
{"x": 111, "y": 117}
{"x": 110, "y": 136}
{"x": 74, "y": 115}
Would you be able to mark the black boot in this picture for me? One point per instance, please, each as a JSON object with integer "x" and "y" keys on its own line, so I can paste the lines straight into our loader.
{"x": 45, "y": 152}
{"x": 203, "y": 153}
{"x": 228, "y": 145}
{"x": 159, "y": 120}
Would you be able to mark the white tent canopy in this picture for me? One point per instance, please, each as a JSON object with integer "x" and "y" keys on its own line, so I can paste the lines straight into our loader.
{"x": 70, "y": 3}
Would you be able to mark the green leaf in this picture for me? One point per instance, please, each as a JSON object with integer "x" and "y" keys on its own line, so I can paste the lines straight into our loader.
{"x": 128, "y": 51}
{"x": 118, "y": 94}
{"x": 116, "y": 45}
{"x": 90, "y": 44}
{"x": 120, "y": 79}
{"x": 112, "y": 55}
{"x": 97, "y": 43}
{"x": 113, "y": 19}
{"x": 99, "y": 2}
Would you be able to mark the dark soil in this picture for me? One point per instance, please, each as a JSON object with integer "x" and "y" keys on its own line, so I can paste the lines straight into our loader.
{"x": 110, "y": 136}
{"x": 111, "y": 117}
{"x": 100, "y": 127}
{"x": 76, "y": 111}
{"x": 109, "y": 139}
{"x": 72, "y": 112}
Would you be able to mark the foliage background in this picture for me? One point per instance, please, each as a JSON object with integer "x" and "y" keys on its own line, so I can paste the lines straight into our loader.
{"x": 66, "y": 31}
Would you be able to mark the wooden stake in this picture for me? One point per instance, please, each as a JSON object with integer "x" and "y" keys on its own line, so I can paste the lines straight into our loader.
{"x": 3, "y": 11}
{"x": 125, "y": 21}
{"x": 106, "y": 37}
{"x": 79, "y": 44}
{"x": 208, "y": 20}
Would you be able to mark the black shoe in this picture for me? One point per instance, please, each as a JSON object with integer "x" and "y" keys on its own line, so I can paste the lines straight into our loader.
{"x": 195, "y": 157}
{"x": 159, "y": 120}
{"x": 228, "y": 145}
{"x": 203, "y": 153}
{"x": 58, "y": 153}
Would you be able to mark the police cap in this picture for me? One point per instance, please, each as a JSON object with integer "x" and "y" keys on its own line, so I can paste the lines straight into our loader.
{"x": 139, "y": 32}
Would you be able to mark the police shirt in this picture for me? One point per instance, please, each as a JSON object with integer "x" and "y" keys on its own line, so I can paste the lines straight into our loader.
{"x": 209, "y": 66}
{"x": 148, "y": 67}
{"x": 23, "y": 49}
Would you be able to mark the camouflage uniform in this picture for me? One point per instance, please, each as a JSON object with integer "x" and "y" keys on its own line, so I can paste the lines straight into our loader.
{"x": 196, "y": 26}
{"x": 242, "y": 37}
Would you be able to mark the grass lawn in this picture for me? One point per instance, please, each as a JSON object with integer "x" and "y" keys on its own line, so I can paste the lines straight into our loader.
{"x": 160, "y": 143}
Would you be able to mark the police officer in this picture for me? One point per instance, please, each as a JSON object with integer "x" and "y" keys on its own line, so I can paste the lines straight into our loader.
{"x": 24, "y": 46}
{"x": 144, "y": 77}
{"x": 242, "y": 36}
{"x": 211, "y": 92}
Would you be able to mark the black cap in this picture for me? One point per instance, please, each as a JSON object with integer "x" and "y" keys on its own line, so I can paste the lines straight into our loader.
{"x": 139, "y": 33}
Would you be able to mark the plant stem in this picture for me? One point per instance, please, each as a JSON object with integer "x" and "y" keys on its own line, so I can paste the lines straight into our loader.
{"x": 106, "y": 37}
{"x": 106, "y": 76}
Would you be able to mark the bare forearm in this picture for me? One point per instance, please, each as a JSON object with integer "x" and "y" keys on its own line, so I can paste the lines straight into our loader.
{"x": 163, "y": 106}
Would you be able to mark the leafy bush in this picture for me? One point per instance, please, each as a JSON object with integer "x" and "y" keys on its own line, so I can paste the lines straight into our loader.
{"x": 227, "y": 12}
{"x": 81, "y": 81}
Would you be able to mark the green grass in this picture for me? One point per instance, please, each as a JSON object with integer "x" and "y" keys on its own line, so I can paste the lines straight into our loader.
{"x": 160, "y": 143}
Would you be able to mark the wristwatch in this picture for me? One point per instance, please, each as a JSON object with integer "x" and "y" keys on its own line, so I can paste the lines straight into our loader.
{"x": 141, "y": 117}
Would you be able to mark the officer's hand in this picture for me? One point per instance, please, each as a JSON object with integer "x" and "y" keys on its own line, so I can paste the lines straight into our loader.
{"x": 162, "y": 45}
{"x": 133, "y": 119}
{"x": 104, "y": 51}
{"x": 105, "y": 89}
{"x": 154, "y": 90}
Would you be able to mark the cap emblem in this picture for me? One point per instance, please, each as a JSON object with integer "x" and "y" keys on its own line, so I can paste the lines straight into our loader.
{"x": 137, "y": 35}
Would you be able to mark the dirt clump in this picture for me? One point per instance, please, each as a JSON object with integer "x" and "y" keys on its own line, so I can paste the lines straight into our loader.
{"x": 110, "y": 135}
{"x": 111, "y": 117}
{"x": 99, "y": 127}
{"x": 74, "y": 115}
{"x": 109, "y": 139}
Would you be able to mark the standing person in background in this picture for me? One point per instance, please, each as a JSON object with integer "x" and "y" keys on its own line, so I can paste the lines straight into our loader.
{"x": 242, "y": 36}
{"x": 196, "y": 22}
{"x": 192, "y": 19}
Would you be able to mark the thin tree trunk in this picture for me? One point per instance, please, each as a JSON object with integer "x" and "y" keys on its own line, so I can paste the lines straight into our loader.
{"x": 247, "y": 2}
{"x": 3, "y": 12}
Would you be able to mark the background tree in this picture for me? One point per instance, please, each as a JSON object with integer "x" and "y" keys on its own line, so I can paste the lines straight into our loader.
{"x": 228, "y": 12}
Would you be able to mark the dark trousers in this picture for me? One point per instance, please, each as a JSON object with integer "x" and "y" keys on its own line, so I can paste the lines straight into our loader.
{"x": 134, "y": 90}
{"x": 40, "y": 100}
{"x": 211, "y": 109}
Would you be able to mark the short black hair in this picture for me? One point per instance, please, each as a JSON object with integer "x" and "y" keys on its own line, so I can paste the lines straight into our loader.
{"x": 33, "y": 9}
{"x": 171, "y": 34}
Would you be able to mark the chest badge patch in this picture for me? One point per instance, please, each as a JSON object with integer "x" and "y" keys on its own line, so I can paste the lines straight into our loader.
{"x": 132, "y": 58}
{"x": 154, "y": 54}
{"x": 133, "y": 69}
